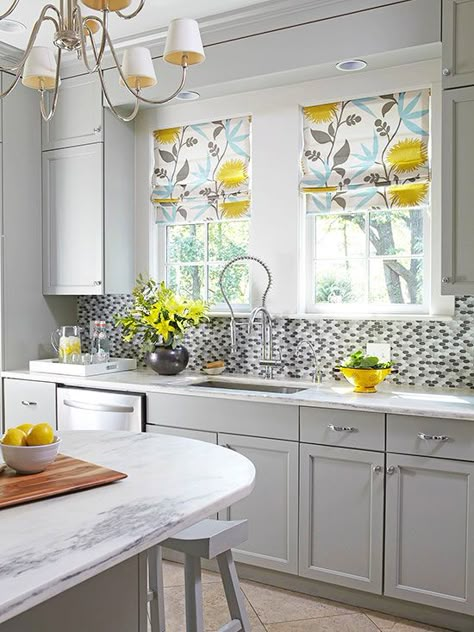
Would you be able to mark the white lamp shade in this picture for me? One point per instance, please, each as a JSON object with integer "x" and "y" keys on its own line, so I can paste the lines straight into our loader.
{"x": 39, "y": 71}
{"x": 110, "y": 5}
{"x": 137, "y": 66}
{"x": 184, "y": 38}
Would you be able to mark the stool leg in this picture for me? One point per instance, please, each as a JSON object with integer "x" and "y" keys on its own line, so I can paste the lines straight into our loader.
{"x": 233, "y": 592}
{"x": 193, "y": 594}
{"x": 157, "y": 604}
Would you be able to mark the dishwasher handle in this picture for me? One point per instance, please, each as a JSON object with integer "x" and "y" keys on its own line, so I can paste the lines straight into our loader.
{"x": 102, "y": 408}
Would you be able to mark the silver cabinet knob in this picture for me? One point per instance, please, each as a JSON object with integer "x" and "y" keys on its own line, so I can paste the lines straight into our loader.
{"x": 446, "y": 72}
{"x": 446, "y": 280}
{"x": 97, "y": 282}
{"x": 27, "y": 403}
{"x": 97, "y": 130}
{"x": 377, "y": 468}
{"x": 391, "y": 470}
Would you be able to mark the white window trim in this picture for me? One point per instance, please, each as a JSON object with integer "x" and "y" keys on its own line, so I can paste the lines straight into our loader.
{"x": 434, "y": 305}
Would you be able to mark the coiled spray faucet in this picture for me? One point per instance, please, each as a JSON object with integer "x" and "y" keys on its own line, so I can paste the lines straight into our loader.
{"x": 233, "y": 328}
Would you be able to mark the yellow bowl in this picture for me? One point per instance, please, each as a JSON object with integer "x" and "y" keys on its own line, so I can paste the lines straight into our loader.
{"x": 364, "y": 380}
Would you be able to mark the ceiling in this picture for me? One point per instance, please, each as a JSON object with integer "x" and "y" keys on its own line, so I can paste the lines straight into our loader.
{"x": 155, "y": 16}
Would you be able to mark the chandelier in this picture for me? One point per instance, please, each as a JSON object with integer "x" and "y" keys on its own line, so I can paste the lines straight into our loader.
{"x": 88, "y": 36}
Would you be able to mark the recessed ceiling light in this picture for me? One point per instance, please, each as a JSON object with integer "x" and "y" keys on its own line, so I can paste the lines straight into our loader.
{"x": 188, "y": 95}
{"x": 11, "y": 26}
{"x": 351, "y": 65}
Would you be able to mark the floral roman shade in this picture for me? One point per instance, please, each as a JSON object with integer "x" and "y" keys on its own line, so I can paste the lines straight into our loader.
{"x": 202, "y": 171}
{"x": 367, "y": 153}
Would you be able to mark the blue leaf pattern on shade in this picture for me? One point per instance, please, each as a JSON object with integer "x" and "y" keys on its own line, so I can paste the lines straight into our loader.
{"x": 407, "y": 115}
{"x": 199, "y": 130}
{"x": 362, "y": 104}
{"x": 369, "y": 156}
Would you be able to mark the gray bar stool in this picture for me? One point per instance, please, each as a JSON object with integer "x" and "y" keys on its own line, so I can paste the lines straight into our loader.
{"x": 208, "y": 539}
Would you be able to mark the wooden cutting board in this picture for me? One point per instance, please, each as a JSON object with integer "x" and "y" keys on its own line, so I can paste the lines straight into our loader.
{"x": 64, "y": 476}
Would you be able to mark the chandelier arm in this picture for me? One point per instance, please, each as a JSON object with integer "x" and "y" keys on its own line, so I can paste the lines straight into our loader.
{"x": 121, "y": 117}
{"x": 133, "y": 14}
{"x": 34, "y": 33}
{"x": 10, "y": 10}
{"x": 47, "y": 116}
{"x": 84, "y": 27}
{"x": 184, "y": 67}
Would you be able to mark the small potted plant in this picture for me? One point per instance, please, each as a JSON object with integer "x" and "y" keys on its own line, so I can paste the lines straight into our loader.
{"x": 159, "y": 319}
{"x": 364, "y": 372}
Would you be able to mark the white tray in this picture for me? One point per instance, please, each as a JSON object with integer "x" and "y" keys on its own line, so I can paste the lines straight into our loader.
{"x": 52, "y": 365}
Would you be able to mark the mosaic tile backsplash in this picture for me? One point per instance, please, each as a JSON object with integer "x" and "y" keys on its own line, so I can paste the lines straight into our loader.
{"x": 427, "y": 352}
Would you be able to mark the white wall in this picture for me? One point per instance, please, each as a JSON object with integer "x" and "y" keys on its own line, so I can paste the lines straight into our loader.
{"x": 276, "y": 230}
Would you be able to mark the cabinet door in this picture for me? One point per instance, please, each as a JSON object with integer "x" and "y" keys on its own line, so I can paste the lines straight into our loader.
{"x": 29, "y": 402}
{"x": 272, "y": 507}
{"x": 341, "y": 516}
{"x": 78, "y": 117}
{"x": 73, "y": 220}
{"x": 458, "y": 192}
{"x": 429, "y": 546}
{"x": 458, "y": 43}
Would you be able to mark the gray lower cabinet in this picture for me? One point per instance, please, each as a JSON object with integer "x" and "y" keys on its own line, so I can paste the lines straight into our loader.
{"x": 458, "y": 43}
{"x": 272, "y": 507}
{"x": 341, "y": 516}
{"x": 457, "y": 259}
{"x": 429, "y": 546}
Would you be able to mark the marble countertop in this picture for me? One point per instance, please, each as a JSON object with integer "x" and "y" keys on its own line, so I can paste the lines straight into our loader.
{"x": 49, "y": 546}
{"x": 427, "y": 402}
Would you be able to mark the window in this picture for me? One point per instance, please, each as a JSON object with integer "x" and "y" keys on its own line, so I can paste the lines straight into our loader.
{"x": 366, "y": 185}
{"x": 201, "y": 192}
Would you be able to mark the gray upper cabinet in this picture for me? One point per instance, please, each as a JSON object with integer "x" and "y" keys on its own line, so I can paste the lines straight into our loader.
{"x": 429, "y": 547}
{"x": 458, "y": 192}
{"x": 88, "y": 215}
{"x": 272, "y": 507}
{"x": 341, "y": 516}
{"x": 79, "y": 115}
{"x": 458, "y": 43}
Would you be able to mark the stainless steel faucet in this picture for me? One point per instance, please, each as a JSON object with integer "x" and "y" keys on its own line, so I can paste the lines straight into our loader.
{"x": 267, "y": 358}
{"x": 317, "y": 374}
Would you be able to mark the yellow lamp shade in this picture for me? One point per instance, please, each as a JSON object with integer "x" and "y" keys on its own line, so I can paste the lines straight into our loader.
{"x": 91, "y": 25}
{"x": 184, "y": 38}
{"x": 39, "y": 71}
{"x": 110, "y": 5}
{"x": 137, "y": 66}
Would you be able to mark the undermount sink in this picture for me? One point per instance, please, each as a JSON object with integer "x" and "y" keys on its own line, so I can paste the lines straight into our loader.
{"x": 241, "y": 386}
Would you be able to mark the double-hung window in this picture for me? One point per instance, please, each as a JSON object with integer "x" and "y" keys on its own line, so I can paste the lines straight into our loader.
{"x": 366, "y": 188}
{"x": 201, "y": 193}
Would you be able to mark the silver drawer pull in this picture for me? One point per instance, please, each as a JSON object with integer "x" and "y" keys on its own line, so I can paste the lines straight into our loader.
{"x": 427, "y": 437}
{"x": 342, "y": 428}
{"x": 102, "y": 408}
{"x": 27, "y": 403}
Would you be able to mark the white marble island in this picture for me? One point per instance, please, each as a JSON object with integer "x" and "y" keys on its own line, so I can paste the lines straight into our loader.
{"x": 50, "y": 546}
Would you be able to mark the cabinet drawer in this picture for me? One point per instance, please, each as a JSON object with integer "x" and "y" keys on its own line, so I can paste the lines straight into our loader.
{"x": 29, "y": 402}
{"x": 349, "y": 429}
{"x": 199, "y": 435}
{"x": 431, "y": 436}
{"x": 216, "y": 414}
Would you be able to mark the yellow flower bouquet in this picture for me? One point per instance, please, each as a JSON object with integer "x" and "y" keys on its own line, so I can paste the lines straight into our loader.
{"x": 160, "y": 319}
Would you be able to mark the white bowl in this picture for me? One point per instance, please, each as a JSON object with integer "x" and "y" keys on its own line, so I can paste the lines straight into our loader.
{"x": 215, "y": 371}
{"x": 30, "y": 459}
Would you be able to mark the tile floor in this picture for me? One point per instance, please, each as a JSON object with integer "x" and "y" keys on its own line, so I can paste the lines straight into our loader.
{"x": 275, "y": 610}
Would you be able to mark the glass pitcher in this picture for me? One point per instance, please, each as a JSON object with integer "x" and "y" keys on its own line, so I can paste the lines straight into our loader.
{"x": 66, "y": 342}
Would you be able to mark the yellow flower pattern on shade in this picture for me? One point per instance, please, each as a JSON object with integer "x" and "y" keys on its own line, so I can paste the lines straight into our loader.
{"x": 407, "y": 155}
{"x": 321, "y": 113}
{"x": 408, "y": 195}
{"x": 233, "y": 210}
{"x": 167, "y": 136}
{"x": 232, "y": 173}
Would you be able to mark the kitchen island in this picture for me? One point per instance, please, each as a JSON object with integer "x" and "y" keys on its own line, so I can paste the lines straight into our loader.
{"x": 80, "y": 556}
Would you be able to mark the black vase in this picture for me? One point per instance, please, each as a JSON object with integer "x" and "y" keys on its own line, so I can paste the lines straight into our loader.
{"x": 168, "y": 361}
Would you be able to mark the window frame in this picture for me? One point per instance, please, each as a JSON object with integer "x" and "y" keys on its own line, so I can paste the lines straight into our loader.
{"x": 161, "y": 264}
{"x": 431, "y": 229}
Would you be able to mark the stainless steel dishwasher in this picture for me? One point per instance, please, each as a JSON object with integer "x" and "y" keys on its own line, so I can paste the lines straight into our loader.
{"x": 84, "y": 409}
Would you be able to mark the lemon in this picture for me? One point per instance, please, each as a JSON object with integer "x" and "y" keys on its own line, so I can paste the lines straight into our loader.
{"x": 14, "y": 436}
{"x": 41, "y": 434}
{"x": 25, "y": 427}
